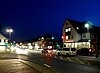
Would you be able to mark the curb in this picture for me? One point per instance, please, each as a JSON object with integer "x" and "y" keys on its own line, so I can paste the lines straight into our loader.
{"x": 37, "y": 67}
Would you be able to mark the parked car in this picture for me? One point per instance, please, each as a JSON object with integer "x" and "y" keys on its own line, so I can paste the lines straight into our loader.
{"x": 66, "y": 51}
{"x": 86, "y": 51}
{"x": 7, "y": 49}
{"x": 19, "y": 50}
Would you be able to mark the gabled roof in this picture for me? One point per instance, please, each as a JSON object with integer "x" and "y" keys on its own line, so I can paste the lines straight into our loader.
{"x": 2, "y": 37}
{"x": 80, "y": 26}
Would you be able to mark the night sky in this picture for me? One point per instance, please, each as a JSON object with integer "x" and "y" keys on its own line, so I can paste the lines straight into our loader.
{"x": 31, "y": 18}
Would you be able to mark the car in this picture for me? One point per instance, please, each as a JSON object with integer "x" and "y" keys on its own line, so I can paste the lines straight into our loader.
{"x": 19, "y": 50}
{"x": 47, "y": 50}
{"x": 86, "y": 51}
{"x": 66, "y": 51}
{"x": 7, "y": 49}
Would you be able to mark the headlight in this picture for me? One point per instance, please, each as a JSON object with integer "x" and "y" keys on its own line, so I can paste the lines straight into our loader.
{"x": 21, "y": 51}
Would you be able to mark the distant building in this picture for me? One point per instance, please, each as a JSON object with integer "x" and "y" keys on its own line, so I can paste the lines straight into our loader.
{"x": 42, "y": 42}
{"x": 3, "y": 41}
{"x": 75, "y": 34}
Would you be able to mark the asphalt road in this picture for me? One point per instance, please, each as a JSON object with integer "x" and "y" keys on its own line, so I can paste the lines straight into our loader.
{"x": 15, "y": 66}
{"x": 57, "y": 64}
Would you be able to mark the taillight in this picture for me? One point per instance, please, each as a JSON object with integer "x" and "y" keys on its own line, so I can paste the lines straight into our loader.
{"x": 48, "y": 51}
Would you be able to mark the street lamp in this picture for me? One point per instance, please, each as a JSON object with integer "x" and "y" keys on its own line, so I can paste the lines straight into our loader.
{"x": 87, "y": 26}
{"x": 9, "y": 31}
{"x": 88, "y": 34}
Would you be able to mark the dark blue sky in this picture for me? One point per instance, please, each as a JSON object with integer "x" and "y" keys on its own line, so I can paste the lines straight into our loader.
{"x": 30, "y": 18}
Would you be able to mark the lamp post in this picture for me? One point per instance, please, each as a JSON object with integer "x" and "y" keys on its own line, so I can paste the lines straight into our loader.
{"x": 9, "y": 31}
{"x": 87, "y": 26}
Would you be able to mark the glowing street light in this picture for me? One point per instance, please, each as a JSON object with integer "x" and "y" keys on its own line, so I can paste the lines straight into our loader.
{"x": 88, "y": 37}
{"x": 9, "y": 31}
{"x": 87, "y": 26}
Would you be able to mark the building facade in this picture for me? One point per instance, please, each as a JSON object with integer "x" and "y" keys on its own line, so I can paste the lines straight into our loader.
{"x": 76, "y": 35}
{"x": 42, "y": 42}
{"x": 3, "y": 41}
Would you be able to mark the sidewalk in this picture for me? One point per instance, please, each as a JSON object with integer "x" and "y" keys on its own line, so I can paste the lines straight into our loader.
{"x": 22, "y": 66}
{"x": 15, "y": 66}
{"x": 88, "y": 58}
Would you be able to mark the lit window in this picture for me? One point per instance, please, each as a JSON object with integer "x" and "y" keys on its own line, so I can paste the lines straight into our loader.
{"x": 69, "y": 29}
{"x": 73, "y": 45}
{"x": 66, "y": 37}
{"x": 76, "y": 45}
{"x": 66, "y": 30}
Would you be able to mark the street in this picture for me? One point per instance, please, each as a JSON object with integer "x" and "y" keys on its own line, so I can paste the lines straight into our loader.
{"x": 50, "y": 36}
{"x": 53, "y": 63}
{"x": 14, "y": 66}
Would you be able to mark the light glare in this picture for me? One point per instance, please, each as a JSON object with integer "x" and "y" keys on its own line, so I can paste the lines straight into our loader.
{"x": 87, "y": 25}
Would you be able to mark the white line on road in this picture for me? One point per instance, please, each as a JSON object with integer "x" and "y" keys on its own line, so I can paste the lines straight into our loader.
{"x": 69, "y": 59}
{"x": 47, "y": 65}
{"x": 79, "y": 61}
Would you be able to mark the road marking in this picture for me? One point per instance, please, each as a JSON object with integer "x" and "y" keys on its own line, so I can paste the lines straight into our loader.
{"x": 47, "y": 65}
{"x": 69, "y": 59}
{"x": 79, "y": 61}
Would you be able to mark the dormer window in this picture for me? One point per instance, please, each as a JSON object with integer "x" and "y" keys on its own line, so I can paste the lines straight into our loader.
{"x": 66, "y": 37}
{"x": 69, "y": 29}
{"x": 66, "y": 30}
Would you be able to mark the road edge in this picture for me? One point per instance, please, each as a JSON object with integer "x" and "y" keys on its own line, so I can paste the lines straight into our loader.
{"x": 37, "y": 67}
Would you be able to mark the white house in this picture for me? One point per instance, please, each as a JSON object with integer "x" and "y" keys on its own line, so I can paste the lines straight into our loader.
{"x": 76, "y": 35}
{"x": 3, "y": 41}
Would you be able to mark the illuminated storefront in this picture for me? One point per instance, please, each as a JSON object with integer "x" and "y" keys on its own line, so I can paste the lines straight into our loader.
{"x": 77, "y": 45}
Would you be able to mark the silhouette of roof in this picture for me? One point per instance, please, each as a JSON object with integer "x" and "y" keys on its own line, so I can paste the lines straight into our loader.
{"x": 80, "y": 26}
{"x": 2, "y": 37}
{"x": 37, "y": 38}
